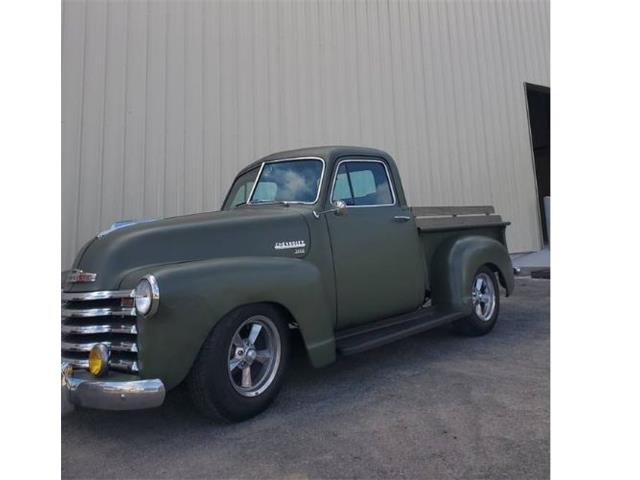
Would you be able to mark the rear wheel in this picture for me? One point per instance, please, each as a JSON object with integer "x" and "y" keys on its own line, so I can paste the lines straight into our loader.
{"x": 485, "y": 298}
{"x": 240, "y": 367}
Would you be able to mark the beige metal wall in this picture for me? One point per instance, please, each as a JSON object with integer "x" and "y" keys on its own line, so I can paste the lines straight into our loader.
{"x": 162, "y": 102}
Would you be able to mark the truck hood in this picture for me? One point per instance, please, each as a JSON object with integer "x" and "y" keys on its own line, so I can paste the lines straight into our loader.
{"x": 249, "y": 231}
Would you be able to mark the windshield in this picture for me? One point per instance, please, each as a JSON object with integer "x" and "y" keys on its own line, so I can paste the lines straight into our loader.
{"x": 289, "y": 181}
{"x": 239, "y": 193}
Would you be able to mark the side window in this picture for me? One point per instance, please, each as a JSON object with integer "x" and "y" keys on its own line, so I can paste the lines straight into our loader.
{"x": 242, "y": 194}
{"x": 240, "y": 189}
{"x": 362, "y": 184}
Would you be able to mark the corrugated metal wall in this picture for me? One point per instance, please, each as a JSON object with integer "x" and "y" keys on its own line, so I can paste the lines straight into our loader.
{"x": 162, "y": 102}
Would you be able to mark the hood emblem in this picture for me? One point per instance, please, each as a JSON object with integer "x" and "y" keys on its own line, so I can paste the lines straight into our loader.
{"x": 293, "y": 244}
{"x": 78, "y": 276}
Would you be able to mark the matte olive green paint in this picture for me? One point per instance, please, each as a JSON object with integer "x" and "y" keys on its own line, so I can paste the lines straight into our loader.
{"x": 196, "y": 295}
{"x": 379, "y": 264}
{"x": 354, "y": 269}
{"x": 431, "y": 241}
{"x": 240, "y": 232}
{"x": 455, "y": 263}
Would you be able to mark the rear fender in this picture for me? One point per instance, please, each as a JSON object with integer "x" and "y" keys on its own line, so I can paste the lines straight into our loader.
{"x": 194, "y": 297}
{"x": 455, "y": 263}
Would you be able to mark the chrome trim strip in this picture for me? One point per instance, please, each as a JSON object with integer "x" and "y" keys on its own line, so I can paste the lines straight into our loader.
{"x": 128, "y": 365}
{"x": 131, "y": 366}
{"x": 90, "y": 329}
{"x": 362, "y": 160}
{"x": 255, "y": 183}
{"x": 86, "y": 347}
{"x": 78, "y": 347}
{"x": 98, "y": 312}
{"x": 76, "y": 362}
{"x": 124, "y": 347}
{"x": 102, "y": 295}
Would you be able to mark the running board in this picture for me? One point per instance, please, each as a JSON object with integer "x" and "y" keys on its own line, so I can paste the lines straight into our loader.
{"x": 358, "y": 339}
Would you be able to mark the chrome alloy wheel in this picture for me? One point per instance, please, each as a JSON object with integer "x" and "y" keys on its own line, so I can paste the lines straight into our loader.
{"x": 254, "y": 356}
{"x": 483, "y": 295}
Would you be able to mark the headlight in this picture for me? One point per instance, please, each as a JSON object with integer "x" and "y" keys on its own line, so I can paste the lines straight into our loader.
{"x": 147, "y": 296}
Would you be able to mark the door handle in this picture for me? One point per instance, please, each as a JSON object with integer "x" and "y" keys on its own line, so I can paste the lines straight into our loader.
{"x": 401, "y": 218}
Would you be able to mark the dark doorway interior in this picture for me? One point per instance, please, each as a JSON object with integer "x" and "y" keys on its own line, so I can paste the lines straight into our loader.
{"x": 539, "y": 103}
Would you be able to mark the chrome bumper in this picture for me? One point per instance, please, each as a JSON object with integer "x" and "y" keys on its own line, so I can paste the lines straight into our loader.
{"x": 84, "y": 390}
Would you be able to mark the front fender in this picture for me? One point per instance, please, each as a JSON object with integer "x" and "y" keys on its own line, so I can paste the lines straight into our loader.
{"x": 194, "y": 296}
{"x": 455, "y": 263}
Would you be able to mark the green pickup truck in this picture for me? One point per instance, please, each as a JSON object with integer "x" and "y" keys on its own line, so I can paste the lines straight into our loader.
{"x": 318, "y": 243}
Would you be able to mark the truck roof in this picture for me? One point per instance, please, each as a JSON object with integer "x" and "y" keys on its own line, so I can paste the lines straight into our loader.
{"x": 328, "y": 152}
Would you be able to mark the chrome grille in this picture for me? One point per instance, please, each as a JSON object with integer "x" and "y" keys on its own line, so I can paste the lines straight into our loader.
{"x": 105, "y": 317}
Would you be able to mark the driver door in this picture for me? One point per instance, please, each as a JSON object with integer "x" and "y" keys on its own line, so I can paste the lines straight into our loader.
{"x": 376, "y": 248}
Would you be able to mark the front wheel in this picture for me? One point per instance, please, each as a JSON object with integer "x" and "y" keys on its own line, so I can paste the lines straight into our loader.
{"x": 240, "y": 367}
{"x": 485, "y": 298}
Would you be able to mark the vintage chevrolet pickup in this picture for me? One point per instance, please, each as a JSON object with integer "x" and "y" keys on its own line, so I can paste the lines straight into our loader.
{"x": 318, "y": 240}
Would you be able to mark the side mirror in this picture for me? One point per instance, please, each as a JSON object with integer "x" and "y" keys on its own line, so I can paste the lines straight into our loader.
{"x": 340, "y": 207}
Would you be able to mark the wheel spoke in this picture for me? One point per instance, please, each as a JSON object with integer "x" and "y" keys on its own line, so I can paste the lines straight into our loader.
{"x": 263, "y": 356}
{"x": 237, "y": 341}
{"x": 255, "y": 331}
{"x": 246, "y": 377}
{"x": 233, "y": 364}
{"x": 478, "y": 285}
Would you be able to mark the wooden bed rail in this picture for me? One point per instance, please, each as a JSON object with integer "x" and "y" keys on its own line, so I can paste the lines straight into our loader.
{"x": 447, "y": 218}
{"x": 452, "y": 211}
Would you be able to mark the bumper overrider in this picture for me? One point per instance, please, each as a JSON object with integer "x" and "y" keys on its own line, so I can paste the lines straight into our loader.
{"x": 84, "y": 390}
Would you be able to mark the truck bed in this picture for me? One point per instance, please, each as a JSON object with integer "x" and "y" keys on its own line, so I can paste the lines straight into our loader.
{"x": 439, "y": 224}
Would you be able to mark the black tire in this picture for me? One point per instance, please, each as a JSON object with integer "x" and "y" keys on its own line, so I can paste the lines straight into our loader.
{"x": 212, "y": 382}
{"x": 478, "y": 324}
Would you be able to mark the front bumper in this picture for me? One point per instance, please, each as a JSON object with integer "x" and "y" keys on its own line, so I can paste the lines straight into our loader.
{"x": 111, "y": 393}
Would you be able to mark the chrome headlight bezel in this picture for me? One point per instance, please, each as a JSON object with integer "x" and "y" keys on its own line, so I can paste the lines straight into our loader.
{"x": 147, "y": 296}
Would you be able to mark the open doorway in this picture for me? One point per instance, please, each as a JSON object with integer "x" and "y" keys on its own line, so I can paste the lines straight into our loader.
{"x": 539, "y": 108}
